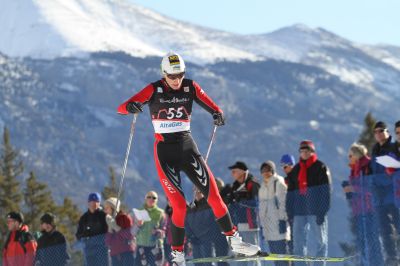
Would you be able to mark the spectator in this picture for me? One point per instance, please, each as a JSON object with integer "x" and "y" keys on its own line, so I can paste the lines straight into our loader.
{"x": 52, "y": 246}
{"x": 20, "y": 246}
{"x": 272, "y": 209}
{"x": 383, "y": 193}
{"x": 244, "y": 202}
{"x": 397, "y": 143}
{"x": 203, "y": 232}
{"x": 224, "y": 190}
{"x": 119, "y": 237}
{"x": 91, "y": 231}
{"x": 360, "y": 196}
{"x": 308, "y": 201}
{"x": 151, "y": 233}
{"x": 287, "y": 163}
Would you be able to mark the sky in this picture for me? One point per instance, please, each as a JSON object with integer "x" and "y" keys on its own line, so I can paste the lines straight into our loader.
{"x": 367, "y": 21}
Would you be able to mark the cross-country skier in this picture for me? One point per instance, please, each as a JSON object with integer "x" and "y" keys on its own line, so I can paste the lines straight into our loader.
{"x": 170, "y": 101}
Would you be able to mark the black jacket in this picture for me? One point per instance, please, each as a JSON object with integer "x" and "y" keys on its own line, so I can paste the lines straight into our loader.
{"x": 92, "y": 228}
{"x": 244, "y": 200}
{"x": 52, "y": 249}
{"x": 318, "y": 197}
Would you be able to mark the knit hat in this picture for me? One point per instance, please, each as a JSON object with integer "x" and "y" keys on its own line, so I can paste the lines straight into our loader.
{"x": 307, "y": 144}
{"x": 287, "y": 159}
{"x": 95, "y": 196}
{"x": 48, "y": 218}
{"x": 17, "y": 216}
{"x": 269, "y": 165}
{"x": 113, "y": 203}
{"x": 397, "y": 124}
{"x": 239, "y": 165}
{"x": 380, "y": 124}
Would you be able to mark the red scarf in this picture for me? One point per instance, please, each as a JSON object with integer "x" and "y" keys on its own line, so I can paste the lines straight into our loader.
{"x": 304, "y": 165}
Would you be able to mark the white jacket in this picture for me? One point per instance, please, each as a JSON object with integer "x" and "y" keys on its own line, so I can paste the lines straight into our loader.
{"x": 272, "y": 208}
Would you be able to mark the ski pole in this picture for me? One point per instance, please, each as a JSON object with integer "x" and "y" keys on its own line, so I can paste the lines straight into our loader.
{"x": 128, "y": 149}
{"x": 211, "y": 143}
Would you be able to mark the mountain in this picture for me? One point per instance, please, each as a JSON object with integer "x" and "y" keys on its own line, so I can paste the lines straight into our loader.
{"x": 67, "y": 65}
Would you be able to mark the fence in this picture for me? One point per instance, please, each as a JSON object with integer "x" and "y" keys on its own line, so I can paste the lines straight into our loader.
{"x": 279, "y": 226}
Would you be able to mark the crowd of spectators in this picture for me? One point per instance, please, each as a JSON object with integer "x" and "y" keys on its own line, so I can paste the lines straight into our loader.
{"x": 284, "y": 215}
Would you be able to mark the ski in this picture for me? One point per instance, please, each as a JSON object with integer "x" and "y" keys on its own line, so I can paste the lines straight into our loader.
{"x": 267, "y": 257}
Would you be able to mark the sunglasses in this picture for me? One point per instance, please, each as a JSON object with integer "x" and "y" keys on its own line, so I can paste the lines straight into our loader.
{"x": 285, "y": 166}
{"x": 381, "y": 130}
{"x": 151, "y": 197}
{"x": 175, "y": 76}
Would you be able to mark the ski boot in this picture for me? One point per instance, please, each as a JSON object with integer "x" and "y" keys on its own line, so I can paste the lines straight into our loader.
{"x": 178, "y": 258}
{"x": 240, "y": 247}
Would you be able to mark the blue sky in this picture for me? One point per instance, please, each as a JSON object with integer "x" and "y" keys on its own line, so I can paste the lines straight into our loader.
{"x": 368, "y": 21}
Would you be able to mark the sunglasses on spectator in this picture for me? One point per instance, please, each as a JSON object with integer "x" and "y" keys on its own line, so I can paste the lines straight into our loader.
{"x": 175, "y": 76}
{"x": 285, "y": 166}
{"x": 380, "y": 130}
{"x": 151, "y": 197}
{"x": 265, "y": 170}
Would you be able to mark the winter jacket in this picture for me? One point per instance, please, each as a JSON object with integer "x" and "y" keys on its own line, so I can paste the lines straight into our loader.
{"x": 317, "y": 200}
{"x": 52, "y": 249}
{"x": 244, "y": 200}
{"x": 382, "y": 184}
{"x": 397, "y": 150}
{"x": 200, "y": 224}
{"x": 272, "y": 208}
{"x": 92, "y": 228}
{"x": 20, "y": 248}
{"x": 151, "y": 233}
{"x": 361, "y": 197}
{"x": 121, "y": 241}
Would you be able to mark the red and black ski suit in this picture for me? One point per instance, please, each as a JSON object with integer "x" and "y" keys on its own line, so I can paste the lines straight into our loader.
{"x": 175, "y": 150}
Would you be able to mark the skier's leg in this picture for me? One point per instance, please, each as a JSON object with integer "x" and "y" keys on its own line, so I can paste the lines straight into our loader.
{"x": 170, "y": 181}
{"x": 196, "y": 169}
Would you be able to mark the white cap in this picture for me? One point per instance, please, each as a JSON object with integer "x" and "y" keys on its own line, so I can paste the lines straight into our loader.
{"x": 172, "y": 63}
{"x": 113, "y": 203}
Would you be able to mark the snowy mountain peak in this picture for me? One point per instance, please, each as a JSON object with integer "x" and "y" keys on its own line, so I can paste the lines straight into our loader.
{"x": 53, "y": 28}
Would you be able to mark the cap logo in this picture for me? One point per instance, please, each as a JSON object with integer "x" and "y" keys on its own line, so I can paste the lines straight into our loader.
{"x": 173, "y": 60}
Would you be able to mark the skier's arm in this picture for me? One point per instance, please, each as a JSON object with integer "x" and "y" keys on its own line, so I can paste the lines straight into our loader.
{"x": 141, "y": 97}
{"x": 204, "y": 100}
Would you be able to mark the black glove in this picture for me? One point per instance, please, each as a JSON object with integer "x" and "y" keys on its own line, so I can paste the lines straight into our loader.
{"x": 282, "y": 226}
{"x": 320, "y": 219}
{"x": 219, "y": 119}
{"x": 134, "y": 107}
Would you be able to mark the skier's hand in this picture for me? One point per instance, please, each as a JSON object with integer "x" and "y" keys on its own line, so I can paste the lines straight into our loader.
{"x": 134, "y": 107}
{"x": 219, "y": 119}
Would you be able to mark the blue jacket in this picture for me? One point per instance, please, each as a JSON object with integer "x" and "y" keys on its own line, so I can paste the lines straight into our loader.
{"x": 381, "y": 183}
{"x": 200, "y": 224}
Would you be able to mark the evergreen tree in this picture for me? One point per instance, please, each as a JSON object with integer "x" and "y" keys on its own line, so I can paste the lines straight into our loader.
{"x": 68, "y": 216}
{"x": 367, "y": 135}
{"x": 10, "y": 195}
{"x": 38, "y": 200}
{"x": 112, "y": 189}
{"x": 10, "y": 168}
